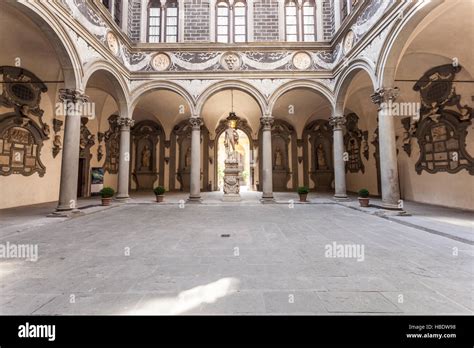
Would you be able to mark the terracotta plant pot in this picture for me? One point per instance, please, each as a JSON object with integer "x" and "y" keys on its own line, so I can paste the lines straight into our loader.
{"x": 364, "y": 202}
{"x": 160, "y": 198}
{"x": 106, "y": 200}
{"x": 303, "y": 197}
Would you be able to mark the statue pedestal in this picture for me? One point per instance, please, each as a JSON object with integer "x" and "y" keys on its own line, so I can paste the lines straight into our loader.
{"x": 231, "y": 181}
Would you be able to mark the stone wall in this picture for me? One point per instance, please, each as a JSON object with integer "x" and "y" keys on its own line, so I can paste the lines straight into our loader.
{"x": 266, "y": 20}
{"x": 196, "y": 20}
{"x": 134, "y": 14}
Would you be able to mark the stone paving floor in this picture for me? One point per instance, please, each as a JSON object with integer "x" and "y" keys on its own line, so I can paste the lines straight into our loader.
{"x": 146, "y": 258}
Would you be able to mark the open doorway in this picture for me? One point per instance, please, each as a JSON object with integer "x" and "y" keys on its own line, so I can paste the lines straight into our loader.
{"x": 243, "y": 149}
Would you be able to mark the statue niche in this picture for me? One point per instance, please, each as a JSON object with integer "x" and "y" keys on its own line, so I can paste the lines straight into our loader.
{"x": 283, "y": 137}
{"x": 181, "y": 166}
{"x": 318, "y": 135}
{"x": 146, "y": 135}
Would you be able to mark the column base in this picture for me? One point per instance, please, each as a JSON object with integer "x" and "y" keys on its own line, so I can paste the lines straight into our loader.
{"x": 267, "y": 198}
{"x": 391, "y": 206}
{"x": 341, "y": 198}
{"x": 122, "y": 199}
{"x": 65, "y": 213}
{"x": 194, "y": 199}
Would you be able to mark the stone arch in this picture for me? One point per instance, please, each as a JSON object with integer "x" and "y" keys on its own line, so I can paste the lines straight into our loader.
{"x": 148, "y": 87}
{"x": 313, "y": 85}
{"x": 66, "y": 52}
{"x": 119, "y": 84}
{"x": 344, "y": 80}
{"x": 232, "y": 84}
{"x": 400, "y": 37}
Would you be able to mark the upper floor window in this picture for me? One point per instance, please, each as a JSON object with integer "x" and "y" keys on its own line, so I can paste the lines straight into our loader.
{"x": 223, "y": 25}
{"x": 300, "y": 22}
{"x": 171, "y": 28}
{"x": 163, "y": 21}
{"x": 291, "y": 21}
{"x": 154, "y": 21}
{"x": 346, "y": 7}
{"x": 309, "y": 22}
{"x": 231, "y": 21}
{"x": 118, "y": 12}
{"x": 240, "y": 22}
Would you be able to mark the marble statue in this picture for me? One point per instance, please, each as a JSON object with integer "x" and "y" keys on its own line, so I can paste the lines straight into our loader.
{"x": 146, "y": 156}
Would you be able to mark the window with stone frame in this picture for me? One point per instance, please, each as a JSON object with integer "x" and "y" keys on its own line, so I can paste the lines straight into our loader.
{"x": 118, "y": 12}
{"x": 163, "y": 21}
{"x": 309, "y": 20}
{"x": 223, "y": 22}
{"x": 291, "y": 21}
{"x": 171, "y": 27}
{"x": 154, "y": 21}
{"x": 240, "y": 21}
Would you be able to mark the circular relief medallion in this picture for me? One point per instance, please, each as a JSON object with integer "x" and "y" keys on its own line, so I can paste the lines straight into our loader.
{"x": 230, "y": 61}
{"x": 112, "y": 43}
{"x": 302, "y": 60}
{"x": 161, "y": 62}
{"x": 348, "y": 41}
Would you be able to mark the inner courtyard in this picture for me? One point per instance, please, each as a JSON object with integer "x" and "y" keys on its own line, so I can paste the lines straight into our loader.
{"x": 236, "y": 157}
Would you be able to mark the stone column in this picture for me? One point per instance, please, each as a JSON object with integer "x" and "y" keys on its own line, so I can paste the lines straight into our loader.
{"x": 267, "y": 172}
{"x": 384, "y": 97}
{"x": 72, "y": 101}
{"x": 337, "y": 122}
{"x": 195, "y": 189}
{"x": 124, "y": 162}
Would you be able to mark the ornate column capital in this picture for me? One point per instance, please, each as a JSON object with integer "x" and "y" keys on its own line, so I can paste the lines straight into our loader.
{"x": 71, "y": 95}
{"x": 125, "y": 122}
{"x": 385, "y": 95}
{"x": 267, "y": 122}
{"x": 337, "y": 122}
{"x": 196, "y": 122}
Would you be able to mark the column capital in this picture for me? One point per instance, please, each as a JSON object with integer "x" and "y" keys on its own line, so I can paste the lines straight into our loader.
{"x": 267, "y": 122}
{"x": 196, "y": 122}
{"x": 71, "y": 95}
{"x": 385, "y": 95}
{"x": 125, "y": 122}
{"x": 337, "y": 122}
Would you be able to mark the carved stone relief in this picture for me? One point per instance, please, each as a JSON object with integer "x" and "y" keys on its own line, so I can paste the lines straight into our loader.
{"x": 112, "y": 145}
{"x": 20, "y": 146}
{"x": 442, "y": 126}
{"x": 356, "y": 144}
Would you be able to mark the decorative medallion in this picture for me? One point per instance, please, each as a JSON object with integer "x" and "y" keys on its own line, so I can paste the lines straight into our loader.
{"x": 112, "y": 43}
{"x": 161, "y": 62}
{"x": 302, "y": 60}
{"x": 230, "y": 61}
{"x": 348, "y": 41}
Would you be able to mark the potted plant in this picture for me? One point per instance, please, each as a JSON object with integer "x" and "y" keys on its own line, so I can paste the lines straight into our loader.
{"x": 106, "y": 194}
{"x": 159, "y": 193}
{"x": 303, "y": 192}
{"x": 364, "y": 197}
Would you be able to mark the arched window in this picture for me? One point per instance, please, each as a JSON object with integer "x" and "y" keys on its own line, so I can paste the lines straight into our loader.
{"x": 291, "y": 21}
{"x": 171, "y": 28}
{"x": 223, "y": 32}
{"x": 154, "y": 21}
{"x": 240, "y": 22}
{"x": 309, "y": 23}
